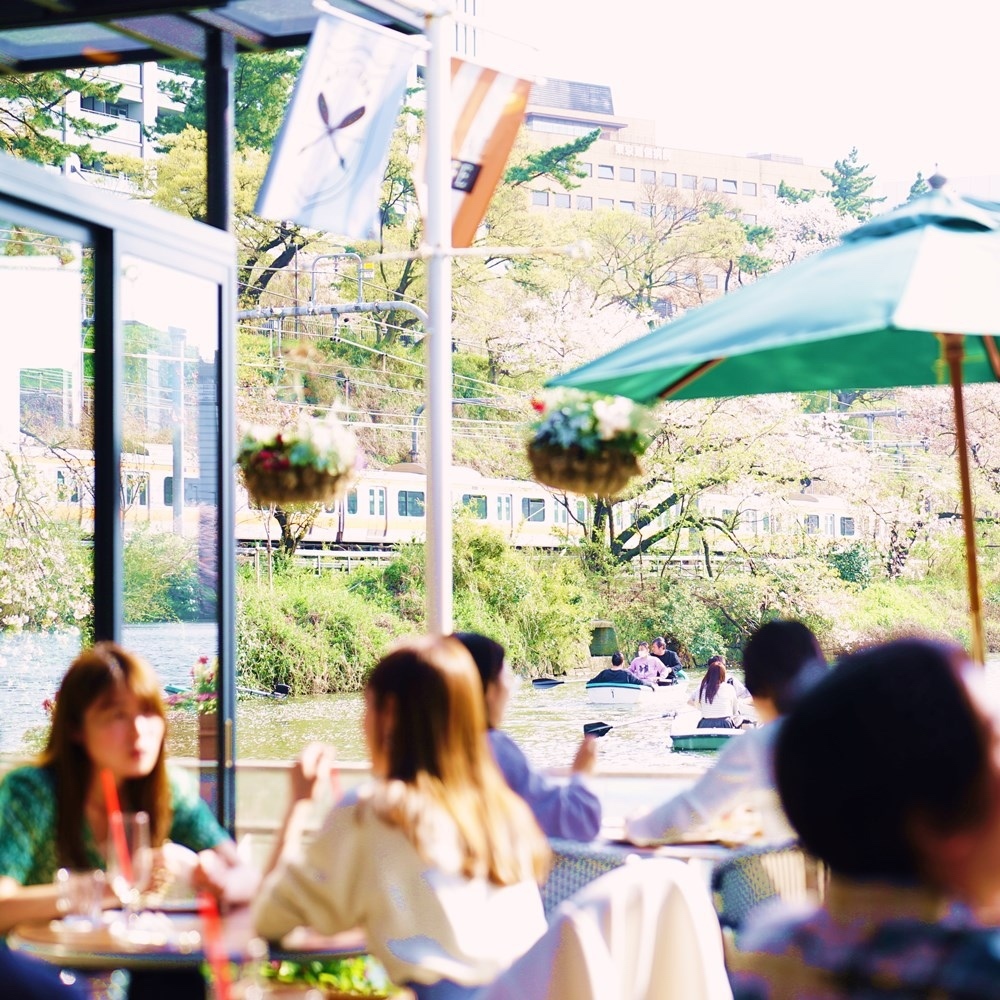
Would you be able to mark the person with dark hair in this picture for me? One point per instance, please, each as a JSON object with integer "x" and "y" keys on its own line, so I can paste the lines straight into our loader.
{"x": 672, "y": 670}
{"x": 436, "y": 859}
{"x": 889, "y": 772}
{"x": 777, "y": 660}
{"x": 717, "y": 701}
{"x": 108, "y": 716}
{"x": 617, "y": 659}
{"x": 570, "y": 810}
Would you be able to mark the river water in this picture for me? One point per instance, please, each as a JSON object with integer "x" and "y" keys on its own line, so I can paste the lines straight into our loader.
{"x": 547, "y": 723}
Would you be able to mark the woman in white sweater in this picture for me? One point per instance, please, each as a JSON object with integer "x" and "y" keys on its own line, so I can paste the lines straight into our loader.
{"x": 779, "y": 660}
{"x": 436, "y": 859}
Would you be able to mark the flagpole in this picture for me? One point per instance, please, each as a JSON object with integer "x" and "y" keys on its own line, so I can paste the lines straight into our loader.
{"x": 439, "y": 371}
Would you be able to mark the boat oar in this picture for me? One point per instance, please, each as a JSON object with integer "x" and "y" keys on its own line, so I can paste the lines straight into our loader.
{"x": 603, "y": 728}
{"x": 551, "y": 682}
{"x": 280, "y": 691}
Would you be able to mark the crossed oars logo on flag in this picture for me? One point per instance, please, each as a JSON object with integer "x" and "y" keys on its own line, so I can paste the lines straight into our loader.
{"x": 331, "y": 130}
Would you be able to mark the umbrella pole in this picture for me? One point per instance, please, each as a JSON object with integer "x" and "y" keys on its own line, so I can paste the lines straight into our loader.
{"x": 954, "y": 351}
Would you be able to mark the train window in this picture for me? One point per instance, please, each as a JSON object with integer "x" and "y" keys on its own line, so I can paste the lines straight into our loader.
{"x": 559, "y": 512}
{"x": 748, "y": 521}
{"x": 581, "y": 510}
{"x": 68, "y": 493}
{"x": 411, "y": 503}
{"x": 811, "y": 523}
{"x": 376, "y": 500}
{"x": 533, "y": 508}
{"x": 847, "y": 526}
{"x": 190, "y": 491}
{"x": 829, "y": 524}
{"x": 352, "y": 501}
{"x": 477, "y": 504}
{"x": 503, "y": 507}
{"x": 136, "y": 489}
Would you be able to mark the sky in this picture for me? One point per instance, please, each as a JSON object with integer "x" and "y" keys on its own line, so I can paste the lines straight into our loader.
{"x": 913, "y": 86}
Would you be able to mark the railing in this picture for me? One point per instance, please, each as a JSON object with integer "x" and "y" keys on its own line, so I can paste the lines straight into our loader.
{"x": 318, "y": 560}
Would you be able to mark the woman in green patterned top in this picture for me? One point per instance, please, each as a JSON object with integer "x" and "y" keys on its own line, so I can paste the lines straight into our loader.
{"x": 108, "y": 715}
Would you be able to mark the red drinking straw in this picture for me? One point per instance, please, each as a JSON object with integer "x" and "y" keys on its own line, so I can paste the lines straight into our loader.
{"x": 116, "y": 824}
{"x": 215, "y": 949}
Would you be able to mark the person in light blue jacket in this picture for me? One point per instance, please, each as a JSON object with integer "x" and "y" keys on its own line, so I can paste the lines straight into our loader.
{"x": 568, "y": 810}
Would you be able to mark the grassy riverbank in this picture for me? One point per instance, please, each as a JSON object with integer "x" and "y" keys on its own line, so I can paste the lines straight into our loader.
{"x": 323, "y": 633}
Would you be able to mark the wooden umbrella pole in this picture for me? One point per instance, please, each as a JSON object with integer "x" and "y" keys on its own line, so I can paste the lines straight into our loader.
{"x": 954, "y": 351}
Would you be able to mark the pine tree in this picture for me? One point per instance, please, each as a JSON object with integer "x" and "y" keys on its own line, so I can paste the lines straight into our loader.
{"x": 850, "y": 184}
{"x": 918, "y": 187}
{"x": 794, "y": 196}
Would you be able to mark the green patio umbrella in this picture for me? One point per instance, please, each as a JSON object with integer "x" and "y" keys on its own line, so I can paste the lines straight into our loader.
{"x": 910, "y": 298}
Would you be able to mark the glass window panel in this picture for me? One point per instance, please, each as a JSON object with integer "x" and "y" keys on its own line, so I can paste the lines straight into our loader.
{"x": 476, "y": 504}
{"x": 47, "y": 469}
{"x": 170, "y": 424}
{"x": 532, "y": 509}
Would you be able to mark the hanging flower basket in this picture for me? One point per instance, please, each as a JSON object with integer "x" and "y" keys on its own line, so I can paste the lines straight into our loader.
{"x": 587, "y": 443}
{"x": 313, "y": 462}
{"x": 603, "y": 473}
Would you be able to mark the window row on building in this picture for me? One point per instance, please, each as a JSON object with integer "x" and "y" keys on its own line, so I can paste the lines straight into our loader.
{"x": 671, "y": 179}
{"x": 588, "y": 203}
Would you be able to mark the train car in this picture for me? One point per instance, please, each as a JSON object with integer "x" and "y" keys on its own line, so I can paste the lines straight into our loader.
{"x": 388, "y": 506}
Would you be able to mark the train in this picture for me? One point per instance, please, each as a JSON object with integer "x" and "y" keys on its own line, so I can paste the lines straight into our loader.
{"x": 387, "y": 507}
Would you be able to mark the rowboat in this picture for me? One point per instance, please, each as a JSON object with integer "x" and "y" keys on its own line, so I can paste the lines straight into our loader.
{"x": 702, "y": 739}
{"x": 619, "y": 687}
{"x": 685, "y": 734}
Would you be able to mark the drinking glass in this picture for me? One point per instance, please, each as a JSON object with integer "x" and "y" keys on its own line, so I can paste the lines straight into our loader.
{"x": 128, "y": 889}
{"x": 81, "y": 896}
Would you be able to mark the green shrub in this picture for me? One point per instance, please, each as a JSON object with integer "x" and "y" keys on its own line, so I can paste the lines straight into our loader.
{"x": 161, "y": 578}
{"x": 854, "y": 564}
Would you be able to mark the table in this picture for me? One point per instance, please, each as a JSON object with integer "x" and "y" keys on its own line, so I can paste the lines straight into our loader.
{"x": 170, "y": 959}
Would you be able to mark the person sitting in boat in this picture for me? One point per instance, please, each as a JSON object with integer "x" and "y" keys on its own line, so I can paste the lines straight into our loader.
{"x": 644, "y": 666}
{"x": 569, "y": 810}
{"x": 717, "y": 701}
{"x": 780, "y": 660}
{"x": 741, "y": 689}
{"x": 672, "y": 670}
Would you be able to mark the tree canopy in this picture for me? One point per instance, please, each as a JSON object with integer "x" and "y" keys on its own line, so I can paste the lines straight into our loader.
{"x": 851, "y": 185}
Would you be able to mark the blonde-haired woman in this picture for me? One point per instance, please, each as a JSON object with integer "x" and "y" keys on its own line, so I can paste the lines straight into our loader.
{"x": 436, "y": 858}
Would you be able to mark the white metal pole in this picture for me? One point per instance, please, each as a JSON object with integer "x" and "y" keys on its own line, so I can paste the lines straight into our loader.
{"x": 439, "y": 372}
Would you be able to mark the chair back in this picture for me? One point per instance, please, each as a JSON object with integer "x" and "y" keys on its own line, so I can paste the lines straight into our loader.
{"x": 752, "y": 877}
{"x": 645, "y": 931}
{"x": 574, "y": 865}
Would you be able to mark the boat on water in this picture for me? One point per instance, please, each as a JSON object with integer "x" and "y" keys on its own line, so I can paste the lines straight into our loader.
{"x": 619, "y": 687}
{"x": 702, "y": 739}
{"x": 685, "y": 734}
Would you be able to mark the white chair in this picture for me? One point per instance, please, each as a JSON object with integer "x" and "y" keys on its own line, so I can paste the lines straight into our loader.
{"x": 645, "y": 931}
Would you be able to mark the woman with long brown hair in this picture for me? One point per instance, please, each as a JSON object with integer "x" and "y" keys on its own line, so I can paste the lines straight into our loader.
{"x": 437, "y": 859}
{"x": 717, "y": 701}
{"x": 108, "y": 716}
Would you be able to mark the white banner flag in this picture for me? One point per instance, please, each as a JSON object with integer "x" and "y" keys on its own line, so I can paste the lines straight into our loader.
{"x": 330, "y": 156}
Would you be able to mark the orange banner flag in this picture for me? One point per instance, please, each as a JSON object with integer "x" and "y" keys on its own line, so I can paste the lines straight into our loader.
{"x": 488, "y": 108}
